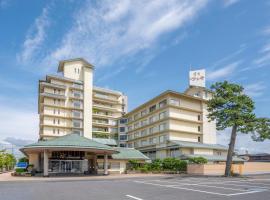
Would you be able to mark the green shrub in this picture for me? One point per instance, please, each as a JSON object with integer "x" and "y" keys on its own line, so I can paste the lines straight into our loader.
{"x": 23, "y": 159}
{"x": 20, "y": 170}
{"x": 174, "y": 164}
{"x": 198, "y": 160}
{"x": 133, "y": 164}
{"x": 156, "y": 165}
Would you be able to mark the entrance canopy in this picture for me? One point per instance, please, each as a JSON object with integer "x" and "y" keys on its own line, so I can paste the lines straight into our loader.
{"x": 72, "y": 142}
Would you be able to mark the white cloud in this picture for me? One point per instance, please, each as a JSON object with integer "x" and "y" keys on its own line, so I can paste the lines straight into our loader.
{"x": 255, "y": 89}
{"x": 34, "y": 38}
{"x": 228, "y": 3}
{"x": 18, "y": 122}
{"x": 112, "y": 31}
{"x": 224, "y": 72}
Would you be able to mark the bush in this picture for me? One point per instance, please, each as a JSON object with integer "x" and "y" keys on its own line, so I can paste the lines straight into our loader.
{"x": 20, "y": 170}
{"x": 23, "y": 159}
{"x": 198, "y": 160}
{"x": 156, "y": 165}
{"x": 133, "y": 164}
{"x": 174, "y": 164}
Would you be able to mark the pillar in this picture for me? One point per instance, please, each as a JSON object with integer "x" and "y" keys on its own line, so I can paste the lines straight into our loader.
{"x": 105, "y": 164}
{"x": 95, "y": 163}
{"x": 45, "y": 163}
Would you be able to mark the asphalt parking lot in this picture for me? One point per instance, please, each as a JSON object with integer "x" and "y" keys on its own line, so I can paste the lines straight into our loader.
{"x": 153, "y": 188}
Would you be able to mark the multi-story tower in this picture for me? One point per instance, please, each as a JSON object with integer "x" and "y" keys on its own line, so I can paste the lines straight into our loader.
{"x": 155, "y": 127}
{"x": 69, "y": 103}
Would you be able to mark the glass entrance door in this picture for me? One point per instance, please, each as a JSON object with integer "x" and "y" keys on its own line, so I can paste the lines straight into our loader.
{"x": 65, "y": 166}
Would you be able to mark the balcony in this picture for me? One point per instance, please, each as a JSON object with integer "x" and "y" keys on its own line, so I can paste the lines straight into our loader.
{"x": 76, "y": 86}
{"x": 52, "y": 85}
{"x": 104, "y": 107}
{"x": 51, "y": 95}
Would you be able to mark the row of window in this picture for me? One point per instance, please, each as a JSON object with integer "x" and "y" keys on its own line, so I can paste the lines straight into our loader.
{"x": 151, "y": 130}
{"x": 154, "y": 107}
{"x": 150, "y": 141}
{"x": 150, "y": 120}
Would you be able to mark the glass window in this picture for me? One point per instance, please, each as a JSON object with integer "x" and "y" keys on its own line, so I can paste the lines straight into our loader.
{"x": 136, "y": 116}
{"x": 130, "y": 145}
{"x": 162, "y": 127}
{"x": 199, "y": 117}
{"x": 144, "y": 132}
{"x": 77, "y": 94}
{"x": 162, "y": 138}
{"x": 143, "y": 112}
{"x": 123, "y": 121}
{"x": 136, "y": 134}
{"x": 199, "y": 139}
{"x": 144, "y": 142}
{"x": 76, "y": 113}
{"x": 77, "y": 104}
{"x": 199, "y": 128}
{"x": 175, "y": 102}
{"x": 153, "y": 119}
{"x": 152, "y": 108}
{"x": 76, "y": 123}
{"x": 122, "y": 129}
{"x": 137, "y": 125}
{"x": 162, "y": 115}
{"x": 163, "y": 103}
{"x": 144, "y": 122}
{"x": 115, "y": 165}
{"x": 123, "y": 137}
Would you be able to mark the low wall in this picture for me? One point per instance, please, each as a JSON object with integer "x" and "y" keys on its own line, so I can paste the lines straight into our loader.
{"x": 219, "y": 169}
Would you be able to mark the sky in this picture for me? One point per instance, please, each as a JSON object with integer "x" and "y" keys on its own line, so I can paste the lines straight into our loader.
{"x": 141, "y": 48}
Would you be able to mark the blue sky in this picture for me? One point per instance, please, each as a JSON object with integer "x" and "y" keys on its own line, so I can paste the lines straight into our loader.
{"x": 139, "y": 47}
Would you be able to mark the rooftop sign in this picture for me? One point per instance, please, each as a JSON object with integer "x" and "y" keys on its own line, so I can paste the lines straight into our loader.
{"x": 197, "y": 78}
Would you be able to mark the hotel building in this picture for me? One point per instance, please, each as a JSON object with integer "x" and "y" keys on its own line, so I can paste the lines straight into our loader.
{"x": 79, "y": 125}
{"x": 175, "y": 124}
{"x": 69, "y": 103}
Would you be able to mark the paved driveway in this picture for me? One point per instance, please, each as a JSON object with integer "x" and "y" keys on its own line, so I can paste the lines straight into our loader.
{"x": 142, "y": 188}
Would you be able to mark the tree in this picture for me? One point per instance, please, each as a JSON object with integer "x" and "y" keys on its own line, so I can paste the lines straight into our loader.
{"x": 230, "y": 107}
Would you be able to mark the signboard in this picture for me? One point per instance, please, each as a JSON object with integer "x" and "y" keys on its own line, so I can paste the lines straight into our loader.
{"x": 197, "y": 78}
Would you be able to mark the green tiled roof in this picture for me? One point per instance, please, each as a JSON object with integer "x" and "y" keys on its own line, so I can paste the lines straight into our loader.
{"x": 198, "y": 145}
{"x": 128, "y": 154}
{"x": 212, "y": 157}
{"x": 70, "y": 140}
{"x": 110, "y": 142}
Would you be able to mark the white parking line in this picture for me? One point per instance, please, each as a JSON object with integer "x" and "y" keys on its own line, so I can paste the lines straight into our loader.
{"x": 130, "y": 196}
{"x": 202, "y": 191}
{"x": 225, "y": 188}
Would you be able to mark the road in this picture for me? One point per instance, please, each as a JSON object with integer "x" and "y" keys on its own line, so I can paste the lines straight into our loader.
{"x": 143, "y": 188}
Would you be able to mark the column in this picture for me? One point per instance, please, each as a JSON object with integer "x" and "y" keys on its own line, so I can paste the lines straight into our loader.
{"x": 45, "y": 163}
{"x": 105, "y": 164}
{"x": 95, "y": 163}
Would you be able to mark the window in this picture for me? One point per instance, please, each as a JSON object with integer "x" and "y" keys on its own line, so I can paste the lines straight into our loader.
{"x": 53, "y": 131}
{"x": 174, "y": 153}
{"x": 54, "y": 101}
{"x": 122, "y": 145}
{"x": 219, "y": 153}
{"x": 77, "y": 94}
{"x": 153, "y": 140}
{"x": 144, "y": 132}
{"x": 122, "y": 129}
{"x": 136, "y": 116}
{"x": 123, "y": 121}
{"x": 58, "y": 101}
{"x": 144, "y": 122}
{"x": 130, "y": 145}
{"x": 162, "y": 138}
{"x": 136, "y": 134}
{"x": 152, "y": 108}
{"x": 143, "y": 112}
{"x": 53, "y": 121}
{"x": 199, "y": 139}
{"x": 76, "y": 123}
{"x": 58, "y": 131}
{"x": 76, "y": 113}
{"x": 130, "y": 137}
{"x": 123, "y": 137}
{"x": 199, "y": 117}
{"x": 162, "y": 127}
{"x": 129, "y": 128}
{"x": 153, "y": 119}
{"x": 162, "y": 115}
{"x": 199, "y": 128}
{"x": 54, "y": 91}
{"x": 136, "y": 144}
{"x": 144, "y": 142}
{"x": 54, "y": 111}
{"x": 58, "y": 111}
{"x": 77, "y": 104}
{"x": 58, "y": 121}
{"x": 136, "y": 125}
{"x": 115, "y": 165}
{"x": 76, "y": 132}
{"x": 163, "y": 103}
{"x": 175, "y": 102}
